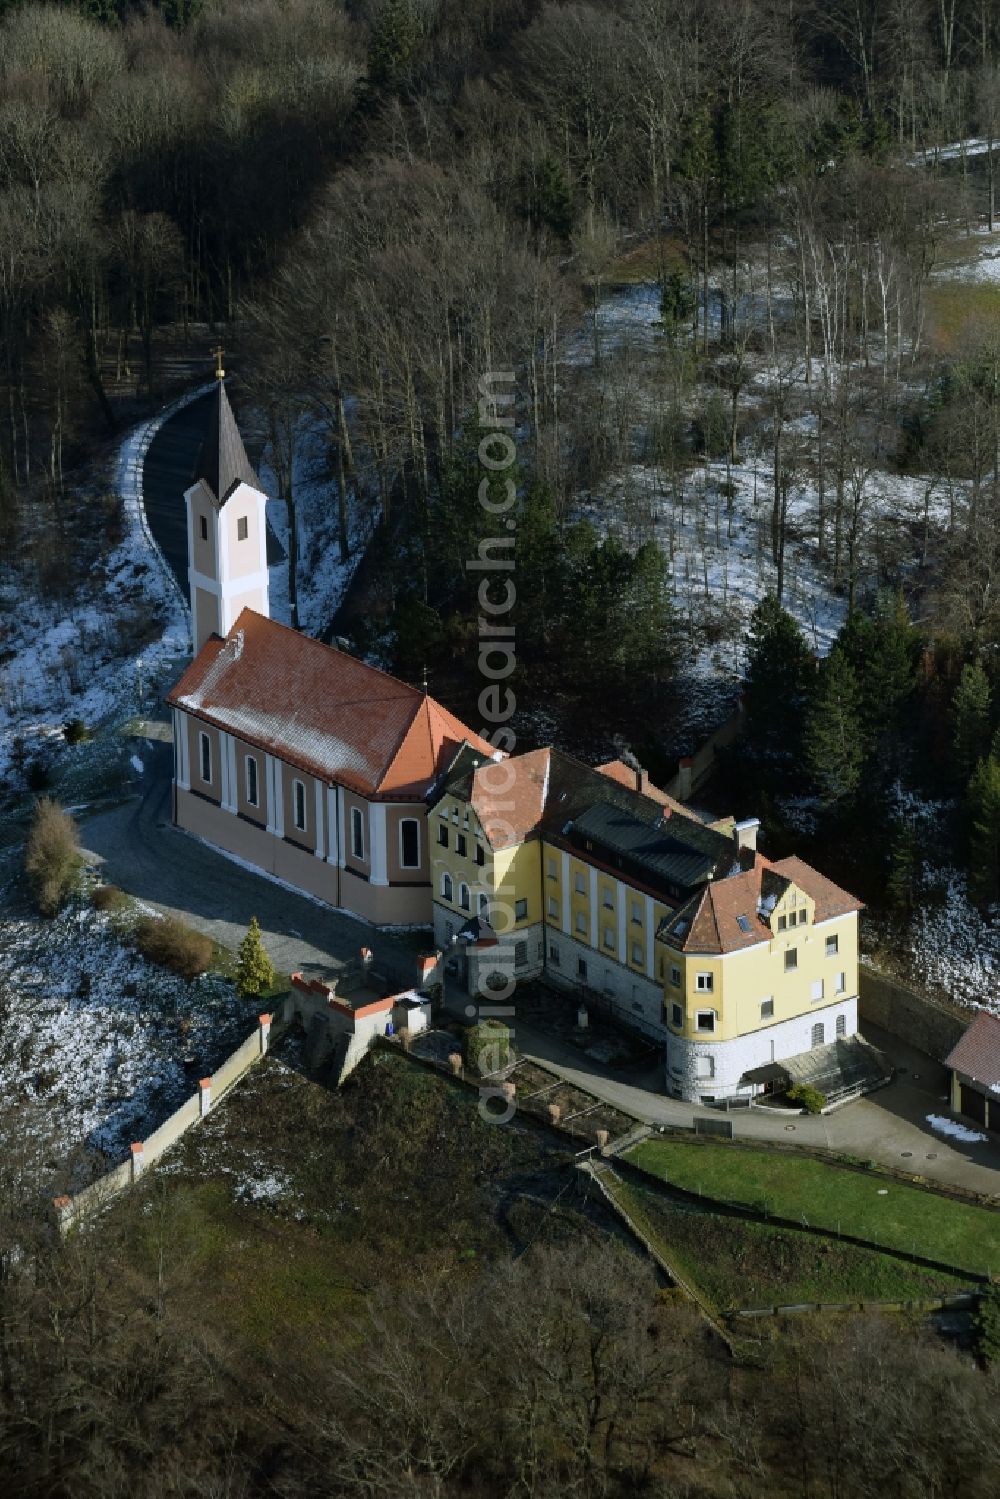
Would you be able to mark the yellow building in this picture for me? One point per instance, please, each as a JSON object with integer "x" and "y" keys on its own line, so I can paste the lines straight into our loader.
{"x": 678, "y": 928}
{"x": 759, "y": 968}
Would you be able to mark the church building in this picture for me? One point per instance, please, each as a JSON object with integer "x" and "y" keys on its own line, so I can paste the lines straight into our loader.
{"x": 364, "y": 792}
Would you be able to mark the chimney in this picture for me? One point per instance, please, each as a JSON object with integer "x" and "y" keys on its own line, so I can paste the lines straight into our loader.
{"x": 745, "y": 833}
{"x": 642, "y": 780}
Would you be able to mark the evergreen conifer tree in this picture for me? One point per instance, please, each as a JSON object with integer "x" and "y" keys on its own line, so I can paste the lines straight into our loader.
{"x": 983, "y": 804}
{"x": 904, "y": 867}
{"x": 971, "y": 716}
{"x": 254, "y": 969}
{"x": 779, "y": 668}
{"x": 834, "y": 750}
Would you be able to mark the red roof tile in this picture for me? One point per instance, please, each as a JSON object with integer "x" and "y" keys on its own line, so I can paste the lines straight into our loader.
{"x": 321, "y": 710}
{"x": 617, "y": 770}
{"x": 710, "y": 922}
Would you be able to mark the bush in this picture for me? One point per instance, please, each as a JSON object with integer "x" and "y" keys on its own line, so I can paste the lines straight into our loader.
{"x": 167, "y": 941}
{"x": 487, "y": 1047}
{"x": 75, "y": 731}
{"x": 811, "y": 1099}
{"x": 987, "y": 1325}
{"x": 108, "y": 898}
{"x": 52, "y": 860}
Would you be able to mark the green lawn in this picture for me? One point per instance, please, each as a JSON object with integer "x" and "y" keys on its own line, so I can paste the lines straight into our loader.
{"x": 736, "y": 1263}
{"x": 870, "y": 1206}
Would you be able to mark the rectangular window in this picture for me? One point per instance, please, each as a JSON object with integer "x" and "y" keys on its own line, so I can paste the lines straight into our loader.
{"x": 357, "y": 833}
{"x": 480, "y": 854}
{"x": 461, "y": 843}
{"x": 553, "y": 908}
{"x": 205, "y": 748}
{"x": 766, "y": 1009}
{"x": 581, "y": 922}
{"x": 553, "y": 954}
{"x": 704, "y": 983}
{"x": 520, "y": 910}
{"x": 817, "y": 990}
{"x": 705, "y": 1066}
{"x": 299, "y": 805}
{"x": 242, "y": 528}
{"x": 782, "y": 923}
{"x": 609, "y": 938}
{"x": 443, "y": 834}
{"x": 608, "y": 899}
{"x": 520, "y": 954}
{"x": 840, "y": 986}
{"x": 636, "y": 913}
{"x": 832, "y": 946}
{"x": 676, "y": 1016}
{"x": 253, "y": 795}
{"x": 841, "y": 1025}
{"x": 705, "y": 1020}
{"x": 675, "y": 976}
{"x": 818, "y": 1034}
{"x": 581, "y": 885}
{"x": 550, "y": 868}
{"x": 203, "y": 519}
{"x": 803, "y": 916}
{"x": 791, "y": 959}
{"x": 409, "y": 843}
{"x": 636, "y": 953}
{"x": 581, "y": 968}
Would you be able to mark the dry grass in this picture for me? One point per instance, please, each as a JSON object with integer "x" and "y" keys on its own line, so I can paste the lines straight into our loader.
{"x": 52, "y": 857}
{"x": 961, "y": 315}
{"x": 173, "y": 945}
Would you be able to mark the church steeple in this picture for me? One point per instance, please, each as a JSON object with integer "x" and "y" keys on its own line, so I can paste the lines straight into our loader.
{"x": 227, "y": 534}
{"x": 223, "y": 462}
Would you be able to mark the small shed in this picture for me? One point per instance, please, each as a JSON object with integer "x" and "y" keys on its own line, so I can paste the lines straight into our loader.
{"x": 975, "y": 1072}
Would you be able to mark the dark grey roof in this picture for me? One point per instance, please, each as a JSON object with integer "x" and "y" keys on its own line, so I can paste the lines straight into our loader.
{"x": 680, "y": 851}
{"x": 223, "y": 462}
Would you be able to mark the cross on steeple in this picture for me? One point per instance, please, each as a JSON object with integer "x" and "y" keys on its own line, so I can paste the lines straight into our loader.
{"x": 220, "y": 373}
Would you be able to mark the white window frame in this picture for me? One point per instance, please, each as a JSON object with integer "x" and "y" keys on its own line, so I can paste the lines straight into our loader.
{"x": 817, "y": 984}
{"x": 299, "y": 804}
{"x": 553, "y": 908}
{"x": 204, "y": 757}
{"x": 580, "y": 884}
{"x": 704, "y": 983}
{"x": 840, "y": 983}
{"x": 705, "y": 1030}
{"x": 581, "y": 922}
{"x": 357, "y": 833}
{"x": 832, "y": 946}
{"x": 551, "y": 869}
{"x": 521, "y": 909}
{"x": 637, "y": 913}
{"x": 464, "y": 896}
{"x": 403, "y": 863}
{"x": 637, "y": 953}
{"x": 447, "y": 887}
{"x": 250, "y": 763}
{"x": 704, "y": 1068}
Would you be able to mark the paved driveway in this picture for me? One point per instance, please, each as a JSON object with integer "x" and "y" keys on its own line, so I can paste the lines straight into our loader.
{"x": 135, "y": 846}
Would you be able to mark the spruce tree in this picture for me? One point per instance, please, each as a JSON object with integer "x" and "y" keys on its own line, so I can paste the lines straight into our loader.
{"x": 254, "y": 969}
{"x": 904, "y": 867}
{"x": 983, "y": 804}
{"x": 834, "y": 750}
{"x": 971, "y": 717}
{"x": 779, "y": 668}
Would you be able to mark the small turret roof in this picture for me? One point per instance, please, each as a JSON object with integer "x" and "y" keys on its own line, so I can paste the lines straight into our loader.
{"x": 223, "y": 462}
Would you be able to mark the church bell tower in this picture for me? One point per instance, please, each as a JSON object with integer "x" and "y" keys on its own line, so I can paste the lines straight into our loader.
{"x": 226, "y": 528}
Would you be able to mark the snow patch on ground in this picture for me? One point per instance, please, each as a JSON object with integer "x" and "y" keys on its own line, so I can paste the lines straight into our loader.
{"x": 955, "y": 1131}
{"x": 105, "y": 1042}
{"x": 322, "y": 577}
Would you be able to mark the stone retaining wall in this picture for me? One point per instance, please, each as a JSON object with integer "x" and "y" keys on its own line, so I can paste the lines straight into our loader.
{"x": 919, "y": 1021}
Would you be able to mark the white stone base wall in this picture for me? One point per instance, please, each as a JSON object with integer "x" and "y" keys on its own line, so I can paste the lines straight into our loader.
{"x": 486, "y": 960}
{"x": 634, "y": 997}
{"x": 731, "y": 1059}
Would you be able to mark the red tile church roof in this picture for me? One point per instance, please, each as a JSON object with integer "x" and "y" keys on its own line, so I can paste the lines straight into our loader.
{"x": 321, "y": 710}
